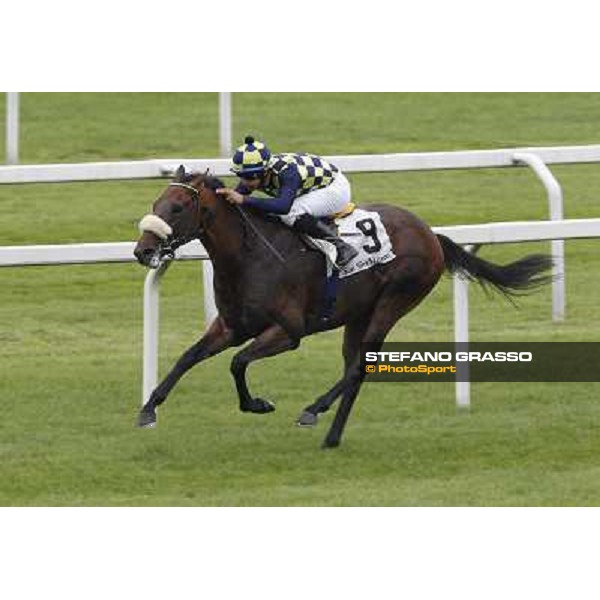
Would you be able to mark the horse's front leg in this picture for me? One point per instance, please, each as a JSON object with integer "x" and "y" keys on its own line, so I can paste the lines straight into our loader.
{"x": 218, "y": 338}
{"x": 270, "y": 342}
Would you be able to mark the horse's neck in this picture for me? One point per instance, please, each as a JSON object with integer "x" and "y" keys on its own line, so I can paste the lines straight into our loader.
{"x": 233, "y": 239}
{"x": 223, "y": 237}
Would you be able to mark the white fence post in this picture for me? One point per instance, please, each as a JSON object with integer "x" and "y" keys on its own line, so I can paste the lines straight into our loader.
{"x": 151, "y": 330}
{"x": 225, "y": 124}
{"x": 555, "y": 202}
{"x": 210, "y": 308}
{"x": 12, "y": 128}
{"x": 461, "y": 336}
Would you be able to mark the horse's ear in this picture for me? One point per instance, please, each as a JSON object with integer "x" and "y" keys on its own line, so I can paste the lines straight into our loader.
{"x": 180, "y": 174}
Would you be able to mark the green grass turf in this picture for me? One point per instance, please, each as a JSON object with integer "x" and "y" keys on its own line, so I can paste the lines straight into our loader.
{"x": 70, "y": 352}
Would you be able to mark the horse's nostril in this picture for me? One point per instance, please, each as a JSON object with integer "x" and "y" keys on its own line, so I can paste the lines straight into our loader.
{"x": 144, "y": 255}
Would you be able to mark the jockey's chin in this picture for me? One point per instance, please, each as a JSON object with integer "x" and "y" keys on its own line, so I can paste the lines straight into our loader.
{"x": 254, "y": 183}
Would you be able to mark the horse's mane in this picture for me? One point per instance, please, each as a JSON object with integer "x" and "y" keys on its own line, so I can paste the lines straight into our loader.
{"x": 210, "y": 181}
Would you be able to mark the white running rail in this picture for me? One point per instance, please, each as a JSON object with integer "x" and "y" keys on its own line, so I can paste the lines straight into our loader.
{"x": 367, "y": 163}
{"x": 490, "y": 233}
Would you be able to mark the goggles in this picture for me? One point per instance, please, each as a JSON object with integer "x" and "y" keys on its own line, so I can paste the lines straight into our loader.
{"x": 249, "y": 176}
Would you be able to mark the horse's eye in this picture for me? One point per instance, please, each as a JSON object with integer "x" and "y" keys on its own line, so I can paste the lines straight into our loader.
{"x": 177, "y": 208}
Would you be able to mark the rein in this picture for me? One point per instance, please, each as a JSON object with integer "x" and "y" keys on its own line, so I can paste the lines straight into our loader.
{"x": 260, "y": 236}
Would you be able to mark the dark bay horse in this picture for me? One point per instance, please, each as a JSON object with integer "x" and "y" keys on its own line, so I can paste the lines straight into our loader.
{"x": 269, "y": 287}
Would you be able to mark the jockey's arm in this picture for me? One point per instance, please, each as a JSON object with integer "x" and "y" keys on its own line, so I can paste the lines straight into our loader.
{"x": 290, "y": 183}
{"x": 243, "y": 189}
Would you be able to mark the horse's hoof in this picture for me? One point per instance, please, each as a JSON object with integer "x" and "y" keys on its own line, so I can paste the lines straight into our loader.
{"x": 307, "y": 419}
{"x": 330, "y": 443}
{"x": 146, "y": 419}
{"x": 258, "y": 406}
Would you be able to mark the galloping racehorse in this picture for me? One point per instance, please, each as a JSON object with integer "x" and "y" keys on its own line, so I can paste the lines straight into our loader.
{"x": 269, "y": 287}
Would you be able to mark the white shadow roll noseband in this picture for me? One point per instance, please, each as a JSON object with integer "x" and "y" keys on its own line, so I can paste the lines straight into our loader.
{"x": 154, "y": 224}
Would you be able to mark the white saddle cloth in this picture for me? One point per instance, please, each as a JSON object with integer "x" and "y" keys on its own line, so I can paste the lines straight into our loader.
{"x": 365, "y": 232}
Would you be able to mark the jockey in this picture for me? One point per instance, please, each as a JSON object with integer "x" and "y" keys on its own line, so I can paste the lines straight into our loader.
{"x": 304, "y": 188}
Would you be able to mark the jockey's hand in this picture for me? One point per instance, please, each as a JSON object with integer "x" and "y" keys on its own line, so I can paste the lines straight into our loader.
{"x": 231, "y": 196}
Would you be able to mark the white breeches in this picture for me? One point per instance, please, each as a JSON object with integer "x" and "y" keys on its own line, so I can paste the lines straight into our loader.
{"x": 321, "y": 203}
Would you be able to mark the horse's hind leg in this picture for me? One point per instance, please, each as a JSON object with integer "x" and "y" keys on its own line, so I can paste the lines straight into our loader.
{"x": 391, "y": 306}
{"x": 353, "y": 335}
{"x": 271, "y": 342}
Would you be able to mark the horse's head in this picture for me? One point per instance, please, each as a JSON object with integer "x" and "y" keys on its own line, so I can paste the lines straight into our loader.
{"x": 177, "y": 217}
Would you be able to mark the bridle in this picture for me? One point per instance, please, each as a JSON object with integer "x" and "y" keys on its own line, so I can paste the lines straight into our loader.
{"x": 180, "y": 241}
{"x": 169, "y": 244}
{"x": 185, "y": 186}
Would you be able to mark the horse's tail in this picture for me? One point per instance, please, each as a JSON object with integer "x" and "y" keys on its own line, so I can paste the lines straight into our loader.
{"x": 513, "y": 279}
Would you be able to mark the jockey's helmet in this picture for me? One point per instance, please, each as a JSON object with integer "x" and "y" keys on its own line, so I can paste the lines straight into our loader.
{"x": 251, "y": 159}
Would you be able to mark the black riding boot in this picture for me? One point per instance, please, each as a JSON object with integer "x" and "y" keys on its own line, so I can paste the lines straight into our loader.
{"x": 324, "y": 231}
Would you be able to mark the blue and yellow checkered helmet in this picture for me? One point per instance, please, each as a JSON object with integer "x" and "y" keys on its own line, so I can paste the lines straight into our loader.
{"x": 251, "y": 158}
